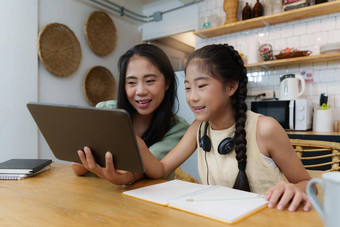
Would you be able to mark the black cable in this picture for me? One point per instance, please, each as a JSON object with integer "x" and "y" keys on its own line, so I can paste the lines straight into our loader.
{"x": 206, "y": 163}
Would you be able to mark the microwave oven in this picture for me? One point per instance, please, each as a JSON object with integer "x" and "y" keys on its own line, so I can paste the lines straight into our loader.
{"x": 291, "y": 114}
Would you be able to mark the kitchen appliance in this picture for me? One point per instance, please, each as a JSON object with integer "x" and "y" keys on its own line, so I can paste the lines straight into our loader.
{"x": 289, "y": 86}
{"x": 291, "y": 114}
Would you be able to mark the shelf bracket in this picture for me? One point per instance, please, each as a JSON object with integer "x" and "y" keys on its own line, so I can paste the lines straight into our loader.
{"x": 265, "y": 23}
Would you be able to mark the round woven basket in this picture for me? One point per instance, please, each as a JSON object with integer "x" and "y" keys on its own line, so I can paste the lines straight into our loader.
{"x": 100, "y": 33}
{"x": 99, "y": 85}
{"x": 59, "y": 49}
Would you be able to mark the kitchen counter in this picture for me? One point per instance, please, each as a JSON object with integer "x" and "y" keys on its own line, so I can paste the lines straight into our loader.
{"x": 311, "y": 135}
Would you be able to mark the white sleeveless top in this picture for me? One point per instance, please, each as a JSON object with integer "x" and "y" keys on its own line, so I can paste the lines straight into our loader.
{"x": 223, "y": 169}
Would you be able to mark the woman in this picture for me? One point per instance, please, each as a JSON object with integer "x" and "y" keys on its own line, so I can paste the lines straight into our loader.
{"x": 147, "y": 90}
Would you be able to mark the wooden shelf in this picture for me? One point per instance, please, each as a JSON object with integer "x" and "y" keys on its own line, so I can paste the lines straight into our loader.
{"x": 297, "y": 14}
{"x": 295, "y": 61}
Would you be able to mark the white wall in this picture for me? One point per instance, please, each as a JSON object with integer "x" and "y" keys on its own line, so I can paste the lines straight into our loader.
{"x": 190, "y": 165}
{"x": 18, "y": 78}
{"x": 24, "y": 78}
{"x": 305, "y": 34}
{"x": 74, "y": 14}
{"x": 68, "y": 90}
{"x": 175, "y": 22}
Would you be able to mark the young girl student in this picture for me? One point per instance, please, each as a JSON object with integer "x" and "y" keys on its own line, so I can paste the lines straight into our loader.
{"x": 236, "y": 148}
{"x": 147, "y": 90}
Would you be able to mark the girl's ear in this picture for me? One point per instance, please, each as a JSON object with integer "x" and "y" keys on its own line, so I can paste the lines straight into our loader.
{"x": 232, "y": 87}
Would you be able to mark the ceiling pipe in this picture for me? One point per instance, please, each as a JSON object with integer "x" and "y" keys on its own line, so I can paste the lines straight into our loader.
{"x": 122, "y": 11}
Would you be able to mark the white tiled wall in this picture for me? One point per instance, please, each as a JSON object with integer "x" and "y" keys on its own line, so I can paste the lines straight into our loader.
{"x": 306, "y": 34}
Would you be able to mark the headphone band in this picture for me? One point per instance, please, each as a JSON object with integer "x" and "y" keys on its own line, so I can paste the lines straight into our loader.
{"x": 224, "y": 147}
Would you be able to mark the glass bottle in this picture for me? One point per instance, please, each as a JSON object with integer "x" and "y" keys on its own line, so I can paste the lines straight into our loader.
{"x": 258, "y": 9}
{"x": 246, "y": 12}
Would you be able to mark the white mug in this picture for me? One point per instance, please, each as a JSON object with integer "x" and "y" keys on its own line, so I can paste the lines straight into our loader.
{"x": 329, "y": 211}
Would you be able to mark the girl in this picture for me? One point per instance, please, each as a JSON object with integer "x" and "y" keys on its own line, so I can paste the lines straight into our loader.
{"x": 236, "y": 148}
{"x": 147, "y": 90}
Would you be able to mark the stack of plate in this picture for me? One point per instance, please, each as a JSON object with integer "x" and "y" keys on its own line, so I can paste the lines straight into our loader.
{"x": 330, "y": 48}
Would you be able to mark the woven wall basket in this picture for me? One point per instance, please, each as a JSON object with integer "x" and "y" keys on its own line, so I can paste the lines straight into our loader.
{"x": 99, "y": 85}
{"x": 59, "y": 49}
{"x": 100, "y": 33}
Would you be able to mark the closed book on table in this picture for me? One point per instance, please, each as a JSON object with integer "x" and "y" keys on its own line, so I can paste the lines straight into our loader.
{"x": 23, "y": 166}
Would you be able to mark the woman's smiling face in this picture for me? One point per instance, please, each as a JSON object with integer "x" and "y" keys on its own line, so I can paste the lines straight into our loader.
{"x": 145, "y": 85}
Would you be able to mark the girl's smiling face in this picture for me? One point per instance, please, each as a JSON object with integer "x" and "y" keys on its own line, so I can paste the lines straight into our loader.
{"x": 208, "y": 98}
{"x": 145, "y": 85}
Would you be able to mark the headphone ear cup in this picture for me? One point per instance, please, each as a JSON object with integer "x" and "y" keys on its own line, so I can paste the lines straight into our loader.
{"x": 226, "y": 146}
{"x": 205, "y": 143}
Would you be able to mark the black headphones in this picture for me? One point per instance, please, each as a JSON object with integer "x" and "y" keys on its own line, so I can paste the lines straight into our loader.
{"x": 225, "y": 146}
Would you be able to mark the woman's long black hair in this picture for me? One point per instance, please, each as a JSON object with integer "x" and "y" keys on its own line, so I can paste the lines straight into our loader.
{"x": 162, "y": 119}
{"x": 224, "y": 63}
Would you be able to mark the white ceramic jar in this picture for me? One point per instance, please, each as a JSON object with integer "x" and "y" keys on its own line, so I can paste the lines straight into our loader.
{"x": 276, "y": 6}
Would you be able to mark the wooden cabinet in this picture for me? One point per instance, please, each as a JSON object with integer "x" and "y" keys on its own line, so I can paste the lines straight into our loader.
{"x": 292, "y": 15}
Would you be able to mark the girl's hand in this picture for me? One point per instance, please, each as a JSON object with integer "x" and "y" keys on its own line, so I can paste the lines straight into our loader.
{"x": 283, "y": 193}
{"x": 78, "y": 169}
{"x": 109, "y": 172}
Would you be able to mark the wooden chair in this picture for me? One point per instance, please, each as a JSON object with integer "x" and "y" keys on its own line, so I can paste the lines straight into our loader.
{"x": 318, "y": 155}
{"x": 181, "y": 175}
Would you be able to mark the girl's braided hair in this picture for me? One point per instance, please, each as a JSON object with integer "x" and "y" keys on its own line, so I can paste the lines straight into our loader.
{"x": 224, "y": 63}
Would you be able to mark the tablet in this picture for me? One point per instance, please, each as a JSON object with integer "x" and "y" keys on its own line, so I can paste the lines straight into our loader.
{"x": 68, "y": 129}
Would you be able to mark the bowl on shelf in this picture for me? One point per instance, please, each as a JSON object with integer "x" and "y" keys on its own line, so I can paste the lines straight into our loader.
{"x": 294, "y": 54}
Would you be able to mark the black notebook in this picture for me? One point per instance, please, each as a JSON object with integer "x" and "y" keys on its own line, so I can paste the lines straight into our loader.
{"x": 23, "y": 166}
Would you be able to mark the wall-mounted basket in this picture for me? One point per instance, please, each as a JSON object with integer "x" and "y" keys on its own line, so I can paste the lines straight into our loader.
{"x": 59, "y": 49}
{"x": 100, "y": 33}
{"x": 99, "y": 85}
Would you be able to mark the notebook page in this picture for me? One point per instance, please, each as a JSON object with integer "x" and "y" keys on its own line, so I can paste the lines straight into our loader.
{"x": 227, "y": 209}
{"x": 8, "y": 176}
{"x": 164, "y": 192}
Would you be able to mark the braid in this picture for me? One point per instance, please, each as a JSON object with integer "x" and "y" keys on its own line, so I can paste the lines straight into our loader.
{"x": 240, "y": 119}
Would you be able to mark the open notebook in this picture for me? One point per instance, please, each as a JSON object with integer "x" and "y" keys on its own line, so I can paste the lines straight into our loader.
{"x": 211, "y": 201}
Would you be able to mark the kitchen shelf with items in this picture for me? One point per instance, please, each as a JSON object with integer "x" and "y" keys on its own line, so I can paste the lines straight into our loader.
{"x": 295, "y": 61}
{"x": 258, "y": 22}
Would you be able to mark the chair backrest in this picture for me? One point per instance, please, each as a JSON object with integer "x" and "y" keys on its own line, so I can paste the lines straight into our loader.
{"x": 318, "y": 155}
{"x": 181, "y": 175}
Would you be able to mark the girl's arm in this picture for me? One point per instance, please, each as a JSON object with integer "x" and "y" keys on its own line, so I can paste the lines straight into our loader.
{"x": 153, "y": 167}
{"x": 181, "y": 152}
{"x": 273, "y": 141}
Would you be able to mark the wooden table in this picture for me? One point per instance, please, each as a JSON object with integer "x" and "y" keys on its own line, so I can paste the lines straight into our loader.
{"x": 59, "y": 198}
